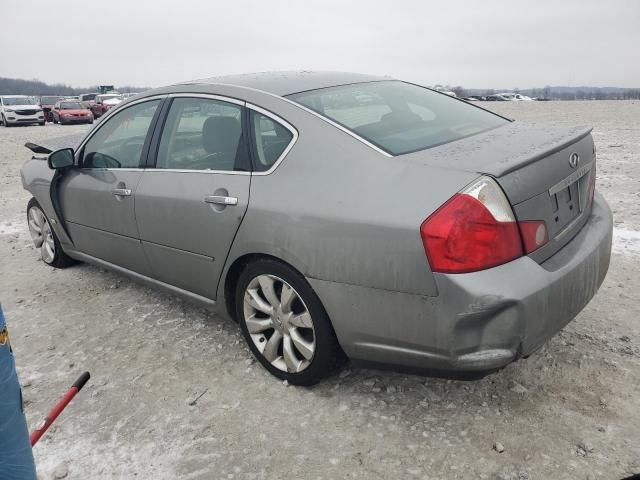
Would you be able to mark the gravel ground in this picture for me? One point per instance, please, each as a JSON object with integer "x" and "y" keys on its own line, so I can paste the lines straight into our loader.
{"x": 175, "y": 393}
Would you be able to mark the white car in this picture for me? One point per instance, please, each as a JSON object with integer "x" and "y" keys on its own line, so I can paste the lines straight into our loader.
{"x": 445, "y": 90}
{"x": 16, "y": 109}
{"x": 514, "y": 97}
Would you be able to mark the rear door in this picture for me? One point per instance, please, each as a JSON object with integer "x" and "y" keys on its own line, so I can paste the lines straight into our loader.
{"x": 97, "y": 198}
{"x": 191, "y": 201}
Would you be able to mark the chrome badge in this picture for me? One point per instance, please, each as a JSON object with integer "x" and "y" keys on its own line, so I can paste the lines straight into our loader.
{"x": 574, "y": 159}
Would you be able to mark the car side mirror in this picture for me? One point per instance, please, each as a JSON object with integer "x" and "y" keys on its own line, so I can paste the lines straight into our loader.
{"x": 61, "y": 159}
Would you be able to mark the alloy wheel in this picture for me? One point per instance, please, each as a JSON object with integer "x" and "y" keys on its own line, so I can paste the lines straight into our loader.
{"x": 41, "y": 234}
{"x": 279, "y": 323}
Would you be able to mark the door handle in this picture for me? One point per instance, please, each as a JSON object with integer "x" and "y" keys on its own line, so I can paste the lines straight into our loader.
{"x": 221, "y": 200}
{"x": 121, "y": 192}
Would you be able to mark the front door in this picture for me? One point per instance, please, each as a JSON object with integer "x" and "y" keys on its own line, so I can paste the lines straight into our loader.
{"x": 189, "y": 207}
{"x": 97, "y": 199}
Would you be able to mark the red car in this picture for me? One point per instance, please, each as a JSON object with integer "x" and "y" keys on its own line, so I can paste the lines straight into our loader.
{"x": 71, "y": 111}
{"x": 104, "y": 102}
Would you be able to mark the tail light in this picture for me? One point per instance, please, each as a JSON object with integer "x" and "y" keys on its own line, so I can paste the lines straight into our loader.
{"x": 474, "y": 230}
{"x": 534, "y": 234}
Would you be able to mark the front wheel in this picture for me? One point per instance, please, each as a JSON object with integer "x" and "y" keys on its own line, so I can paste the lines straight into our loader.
{"x": 44, "y": 238}
{"x": 285, "y": 324}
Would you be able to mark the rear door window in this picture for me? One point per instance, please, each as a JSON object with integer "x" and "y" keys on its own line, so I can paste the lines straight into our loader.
{"x": 203, "y": 134}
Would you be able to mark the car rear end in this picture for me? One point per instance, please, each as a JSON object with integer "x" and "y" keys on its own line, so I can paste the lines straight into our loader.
{"x": 515, "y": 253}
{"x": 520, "y": 252}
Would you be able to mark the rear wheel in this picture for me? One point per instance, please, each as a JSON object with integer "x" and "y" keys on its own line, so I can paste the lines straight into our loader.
{"x": 44, "y": 238}
{"x": 285, "y": 324}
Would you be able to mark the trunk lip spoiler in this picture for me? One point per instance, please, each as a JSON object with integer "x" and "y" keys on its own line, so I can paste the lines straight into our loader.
{"x": 569, "y": 140}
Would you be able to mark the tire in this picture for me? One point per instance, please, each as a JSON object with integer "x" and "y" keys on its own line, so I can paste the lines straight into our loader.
{"x": 4, "y": 122}
{"x": 44, "y": 238}
{"x": 42, "y": 124}
{"x": 300, "y": 345}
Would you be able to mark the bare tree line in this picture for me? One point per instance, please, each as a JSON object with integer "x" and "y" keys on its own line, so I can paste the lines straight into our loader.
{"x": 559, "y": 93}
{"x": 16, "y": 86}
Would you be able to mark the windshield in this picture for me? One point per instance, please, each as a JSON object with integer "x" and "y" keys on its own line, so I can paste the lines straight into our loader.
{"x": 71, "y": 106}
{"x": 399, "y": 117}
{"x": 48, "y": 100}
{"x": 18, "y": 101}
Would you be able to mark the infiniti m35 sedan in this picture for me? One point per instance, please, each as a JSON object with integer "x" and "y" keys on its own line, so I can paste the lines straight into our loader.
{"x": 336, "y": 215}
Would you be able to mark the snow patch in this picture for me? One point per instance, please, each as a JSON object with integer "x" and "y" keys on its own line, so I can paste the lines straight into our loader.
{"x": 626, "y": 241}
{"x": 11, "y": 228}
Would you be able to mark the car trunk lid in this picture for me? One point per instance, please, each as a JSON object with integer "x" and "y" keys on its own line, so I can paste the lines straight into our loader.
{"x": 537, "y": 169}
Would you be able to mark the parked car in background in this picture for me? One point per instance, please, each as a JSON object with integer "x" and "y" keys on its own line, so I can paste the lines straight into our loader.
{"x": 88, "y": 98}
{"x": 71, "y": 111}
{"x": 46, "y": 103}
{"x": 126, "y": 96}
{"x": 335, "y": 213}
{"x": 20, "y": 109}
{"x": 104, "y": 102}
{"x": 446, "y": 91}
{"x": 513, "y": 97}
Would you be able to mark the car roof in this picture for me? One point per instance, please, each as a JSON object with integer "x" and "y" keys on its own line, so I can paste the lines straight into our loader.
{"x": 288, "y": 82}
{"x": 16, "y": 96}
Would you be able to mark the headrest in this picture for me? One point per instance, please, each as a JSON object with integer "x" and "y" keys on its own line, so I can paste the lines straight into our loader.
{"x": 221, "y": 134}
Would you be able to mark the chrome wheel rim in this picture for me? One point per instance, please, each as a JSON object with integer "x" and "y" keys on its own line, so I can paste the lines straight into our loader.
{"x": 279, "y": 323}
{"x": 41, "y": 234}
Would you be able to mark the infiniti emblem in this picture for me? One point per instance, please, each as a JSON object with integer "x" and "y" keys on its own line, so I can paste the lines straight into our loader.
{"x": 574, "y": 159}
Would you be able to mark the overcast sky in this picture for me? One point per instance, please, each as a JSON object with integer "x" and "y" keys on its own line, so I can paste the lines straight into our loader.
{"x": 470, "y": 43}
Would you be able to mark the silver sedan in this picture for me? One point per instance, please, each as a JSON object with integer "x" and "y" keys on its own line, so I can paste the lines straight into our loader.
{"x": 336, "y": 215}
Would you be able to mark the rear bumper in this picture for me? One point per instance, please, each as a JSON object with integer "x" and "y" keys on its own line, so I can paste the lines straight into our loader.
{"x": 479, "y": 321}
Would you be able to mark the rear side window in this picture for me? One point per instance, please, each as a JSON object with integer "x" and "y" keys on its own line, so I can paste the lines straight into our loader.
{"x": 202, "y": 134}
{"x": 271, "y": 140}
{"x": 399, "y": 117}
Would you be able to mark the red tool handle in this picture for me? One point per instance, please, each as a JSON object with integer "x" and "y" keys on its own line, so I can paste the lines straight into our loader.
{"x": 58, "y": 407}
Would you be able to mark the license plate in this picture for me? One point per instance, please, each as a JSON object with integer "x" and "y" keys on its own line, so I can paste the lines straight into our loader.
{"x": 566, "y": 205}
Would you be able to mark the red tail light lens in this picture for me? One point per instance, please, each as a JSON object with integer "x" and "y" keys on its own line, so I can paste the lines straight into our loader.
{"x": 534, "y": 234}
{"x": 472, "y": 231}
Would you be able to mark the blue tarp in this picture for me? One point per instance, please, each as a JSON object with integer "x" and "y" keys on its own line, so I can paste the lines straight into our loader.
{"x": 16, "y": 458}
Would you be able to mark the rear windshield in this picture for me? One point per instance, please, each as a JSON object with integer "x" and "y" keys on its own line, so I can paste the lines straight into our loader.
{"x": 399, "y": 117}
